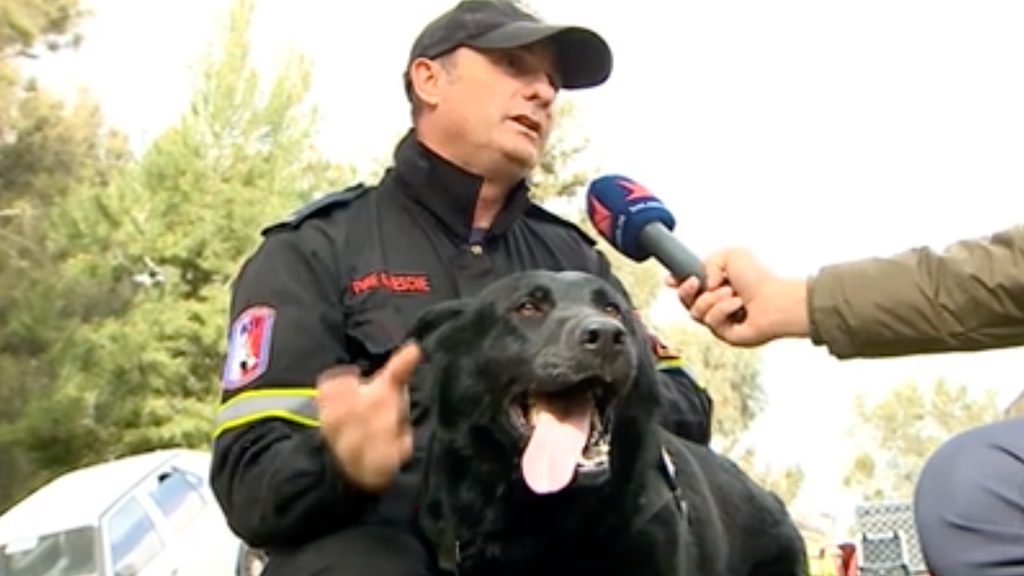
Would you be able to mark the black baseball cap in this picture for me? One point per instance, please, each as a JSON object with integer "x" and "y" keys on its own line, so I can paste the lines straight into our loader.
{"x": 582, "y": 57}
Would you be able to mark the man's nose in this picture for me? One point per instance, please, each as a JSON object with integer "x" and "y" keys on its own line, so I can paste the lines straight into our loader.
{"x": 601, "y": 335}
{"x": 542, "y": 90}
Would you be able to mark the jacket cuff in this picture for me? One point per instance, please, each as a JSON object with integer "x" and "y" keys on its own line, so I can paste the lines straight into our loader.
{"x": 827, "y": 326}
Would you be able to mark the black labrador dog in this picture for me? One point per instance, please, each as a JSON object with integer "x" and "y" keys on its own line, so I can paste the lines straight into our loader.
{"x": 547, "y": 458}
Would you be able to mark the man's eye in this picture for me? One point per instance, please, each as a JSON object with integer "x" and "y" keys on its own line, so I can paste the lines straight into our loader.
{"x": 512, "y": 61}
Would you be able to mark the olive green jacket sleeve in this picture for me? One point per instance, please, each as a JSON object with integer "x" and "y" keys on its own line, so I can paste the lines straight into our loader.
{"x": 968, "y": 297}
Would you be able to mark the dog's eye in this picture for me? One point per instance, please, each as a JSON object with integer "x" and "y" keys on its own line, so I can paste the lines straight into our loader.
{"x": 527, "y": 308}
{"x": 613, "y": 310}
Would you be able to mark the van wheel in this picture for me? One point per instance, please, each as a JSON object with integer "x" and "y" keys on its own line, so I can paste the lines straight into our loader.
{"x": 251, "y": 562}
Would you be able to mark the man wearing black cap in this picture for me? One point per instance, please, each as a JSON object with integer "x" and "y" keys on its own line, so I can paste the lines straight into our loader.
{"x": 315, "y": 459}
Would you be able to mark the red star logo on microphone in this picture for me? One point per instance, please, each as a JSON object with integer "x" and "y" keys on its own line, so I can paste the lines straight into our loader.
{"x": 636, "y": 191}
{"x": 601, "y": 218}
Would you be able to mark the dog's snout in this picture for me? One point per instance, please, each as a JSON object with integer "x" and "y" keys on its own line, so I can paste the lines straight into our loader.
{"x": 601, "y": 335}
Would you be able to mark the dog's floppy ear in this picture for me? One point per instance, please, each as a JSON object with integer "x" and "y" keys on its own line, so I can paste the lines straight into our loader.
{"x": 434, "y": 318}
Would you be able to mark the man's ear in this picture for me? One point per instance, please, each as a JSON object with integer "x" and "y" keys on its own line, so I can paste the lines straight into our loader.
{"x": 436, "y": 317}
{"x": 425, "y": 80}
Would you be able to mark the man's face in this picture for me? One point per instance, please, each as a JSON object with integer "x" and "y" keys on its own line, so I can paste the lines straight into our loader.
{"x": 499, "y": 103}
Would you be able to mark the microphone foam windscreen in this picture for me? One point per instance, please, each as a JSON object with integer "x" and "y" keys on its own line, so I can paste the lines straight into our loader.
{"x": 620, "y": 208}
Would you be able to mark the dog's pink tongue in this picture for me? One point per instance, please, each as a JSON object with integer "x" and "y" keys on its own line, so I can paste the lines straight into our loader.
{"x": 558, "y": 439}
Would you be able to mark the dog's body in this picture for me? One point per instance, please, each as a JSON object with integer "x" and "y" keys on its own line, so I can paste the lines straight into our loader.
{"x": 543, "y": 367}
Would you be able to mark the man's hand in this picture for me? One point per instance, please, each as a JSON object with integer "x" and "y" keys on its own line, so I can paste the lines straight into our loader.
{"x": 776, "y": 307}
{"x": 366, "y": 422}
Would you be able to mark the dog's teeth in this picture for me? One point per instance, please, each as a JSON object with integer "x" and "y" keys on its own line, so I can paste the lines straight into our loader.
{"x": 595, "y": 455}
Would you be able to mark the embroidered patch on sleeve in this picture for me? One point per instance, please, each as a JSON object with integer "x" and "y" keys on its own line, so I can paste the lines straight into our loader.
{"x": 248, "y": 347}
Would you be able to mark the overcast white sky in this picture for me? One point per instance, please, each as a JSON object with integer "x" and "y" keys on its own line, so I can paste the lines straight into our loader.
{"x": 809, "y": 131}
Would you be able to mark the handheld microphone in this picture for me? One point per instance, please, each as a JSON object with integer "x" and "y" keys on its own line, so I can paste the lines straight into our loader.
{"x": 638, "y": 225}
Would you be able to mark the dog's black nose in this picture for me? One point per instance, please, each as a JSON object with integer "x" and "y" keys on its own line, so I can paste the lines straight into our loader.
{"x": 601, "y": 335}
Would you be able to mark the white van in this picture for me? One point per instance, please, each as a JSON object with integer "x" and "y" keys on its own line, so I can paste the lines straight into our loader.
{"x": 150, "y": 514}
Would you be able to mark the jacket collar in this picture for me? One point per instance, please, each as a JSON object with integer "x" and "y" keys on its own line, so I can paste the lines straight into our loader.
{"x": 449, "y": 192}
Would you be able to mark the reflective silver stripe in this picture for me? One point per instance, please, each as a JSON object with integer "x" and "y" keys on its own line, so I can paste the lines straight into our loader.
{"x": 293, "y": 404}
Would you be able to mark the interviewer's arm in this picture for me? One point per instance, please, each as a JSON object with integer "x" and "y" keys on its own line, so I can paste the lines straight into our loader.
{"x": 966, "y": 298}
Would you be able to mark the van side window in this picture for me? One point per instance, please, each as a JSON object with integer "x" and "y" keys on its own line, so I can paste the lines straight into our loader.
{"x": 177, "y": 496}
{"x": 134, "y": 540}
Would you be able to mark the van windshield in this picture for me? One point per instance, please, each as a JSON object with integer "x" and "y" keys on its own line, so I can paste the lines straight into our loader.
{"x": 69, "y": 553}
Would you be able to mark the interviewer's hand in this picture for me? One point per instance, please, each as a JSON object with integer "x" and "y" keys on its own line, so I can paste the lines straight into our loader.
{"x": 366, "y": 422}
{"x": 776, "y": 307}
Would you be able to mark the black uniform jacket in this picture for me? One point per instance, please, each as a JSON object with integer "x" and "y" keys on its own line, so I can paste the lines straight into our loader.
{"x": 340, "y": 282}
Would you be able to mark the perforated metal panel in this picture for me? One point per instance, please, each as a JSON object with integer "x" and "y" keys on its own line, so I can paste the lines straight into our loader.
{"x": 888, "y": 540}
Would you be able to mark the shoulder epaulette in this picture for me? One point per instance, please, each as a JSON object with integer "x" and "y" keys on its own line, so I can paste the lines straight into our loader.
{"x": 336, "y": 199}
{"x": 535, "y": 211}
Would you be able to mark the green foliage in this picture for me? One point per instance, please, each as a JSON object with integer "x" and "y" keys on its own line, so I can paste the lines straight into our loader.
{"x": 47, "y": 147}
{"x": 898, "y": 432}
{"x": 126, "y": 314}
{"x": 26, "y": 25}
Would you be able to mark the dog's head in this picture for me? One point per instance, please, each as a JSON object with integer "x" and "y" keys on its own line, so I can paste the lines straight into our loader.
{"x": 535, "y": 370}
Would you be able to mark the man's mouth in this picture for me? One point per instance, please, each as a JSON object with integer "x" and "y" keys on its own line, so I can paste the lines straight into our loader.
{"x": 529, "y": 123}
{"x": 567, "y": 434}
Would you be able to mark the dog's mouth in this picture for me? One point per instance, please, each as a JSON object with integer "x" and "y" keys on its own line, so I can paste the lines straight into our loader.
{"x": 567, "y": 434}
